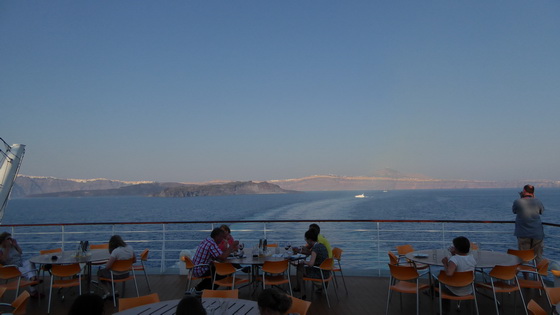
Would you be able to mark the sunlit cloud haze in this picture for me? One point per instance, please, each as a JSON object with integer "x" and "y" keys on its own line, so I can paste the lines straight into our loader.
{"x": 253, "y": 90}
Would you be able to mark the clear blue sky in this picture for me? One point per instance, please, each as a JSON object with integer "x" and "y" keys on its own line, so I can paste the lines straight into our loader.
{"x": 257, "y": 90}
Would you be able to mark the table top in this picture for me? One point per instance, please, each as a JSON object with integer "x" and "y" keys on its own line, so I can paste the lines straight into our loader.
{"x": 253, "y": 260}
{"x": 69, "y": 257}
{"x": 484, "y": 258}
{"x": 221, "y": 306}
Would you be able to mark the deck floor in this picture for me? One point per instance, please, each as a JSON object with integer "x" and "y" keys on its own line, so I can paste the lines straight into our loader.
{"x": 367, "y": 295}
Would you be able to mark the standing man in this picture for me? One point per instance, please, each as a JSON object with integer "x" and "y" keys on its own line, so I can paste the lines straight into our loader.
{"x": 206, "y": 253}
{"x": 528, "y": 225}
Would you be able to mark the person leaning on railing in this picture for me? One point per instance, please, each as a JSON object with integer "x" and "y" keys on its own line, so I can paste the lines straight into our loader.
{"x": 528, "y": 225}
{"x": 10, "y": 254}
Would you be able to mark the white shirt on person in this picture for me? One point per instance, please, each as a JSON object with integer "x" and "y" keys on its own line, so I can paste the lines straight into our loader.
{"x": 123, "y": 253}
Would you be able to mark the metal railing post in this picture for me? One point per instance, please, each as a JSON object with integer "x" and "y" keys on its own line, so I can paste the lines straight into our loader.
{"x": 264, "y": 232}
{"x": 163, "y": 239}
{"x": 443, "y": 235}
{"x": 378, "y": 252}
{"x": 62, "y": 236}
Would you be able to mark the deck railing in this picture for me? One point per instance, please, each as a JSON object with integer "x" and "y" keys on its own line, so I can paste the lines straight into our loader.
{"x": 365, "y": 242}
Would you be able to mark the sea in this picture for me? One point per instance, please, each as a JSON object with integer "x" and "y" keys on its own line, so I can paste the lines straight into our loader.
{"x": 363, "y": 241}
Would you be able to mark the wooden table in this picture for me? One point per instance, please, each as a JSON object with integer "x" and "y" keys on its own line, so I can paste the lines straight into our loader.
{"x": 483, "y": 258}
{"x": 220, "y": 306}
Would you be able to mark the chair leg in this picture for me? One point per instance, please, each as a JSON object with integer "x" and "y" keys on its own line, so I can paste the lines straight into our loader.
{"x": 50, "y": 296}
{"x": 147, "y": 280}
{"x": 326, "y": 294}
{"x": 344, "y": 282}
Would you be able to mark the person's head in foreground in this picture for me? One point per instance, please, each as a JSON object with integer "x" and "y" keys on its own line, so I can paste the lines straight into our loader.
{"x": 461, "y": 245}
{"x": 114, "y": 242}
{"x": 87, "y": 304}
{"x": 274, "y": 302}
{"x": 190, "y": 305}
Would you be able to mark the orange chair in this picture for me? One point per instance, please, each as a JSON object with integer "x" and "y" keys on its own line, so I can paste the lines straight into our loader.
{"x": 401, "y": 281}
{"x": 535, "y": 309}
{"x": 459, "y": 279}
{"x": 126, "y": 303}
{"x": 552, "y": 293}
{"x": 337, "y": 254}
{"x": 189, "y": 265}
{"x": 66, "y": 273}
{"x": 227, "y": 270}
{"x": 118, "y": 267}
{"x": 99, "y": 246}
{"x": 142, "y": 267}
{"x": 326, "y": 265}
{"x": 528, "y": 258}
{"x": 2, "y": 291}
{"x": 230, "y": 294}
{"x": 393, "y": 259}
{"x": 402, "y": 250}
{"x": 277, "y": 271}
{"x": 19, "y": 305}
{"x": 501, "y": 278}
{"x": 12, "y": 273}
{"x": 299, "y": 306}
{"x": 273, "y": 245}
{"x": 540, "y": 273}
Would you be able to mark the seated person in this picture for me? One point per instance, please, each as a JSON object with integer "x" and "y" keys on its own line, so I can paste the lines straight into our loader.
{"x": 190, "y": 305}
{"x": 318, "y": 255}
{"x": 274, "y": 302}
{"x": 206, "y": 253}
{"x": 119, "y": 250}
{"x": 228, "y": 239}
{"x": 10, "y": 254}
{"x": 460, "y": 261}
{"x": 320, "y": 238}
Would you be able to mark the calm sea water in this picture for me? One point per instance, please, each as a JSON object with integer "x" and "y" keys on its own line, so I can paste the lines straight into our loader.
{"x": 360, "y": 241}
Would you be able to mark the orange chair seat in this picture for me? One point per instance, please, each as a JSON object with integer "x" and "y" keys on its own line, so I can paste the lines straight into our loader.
{"x": 275, "y": 280}
{"x": 228, "y": 281}
{"x": 408, "y": 287}
{"x": 455, "y": 297}
{"x": 66, "y": 283}
{"x": 318, "y": 279}
{"x": 499, "y": 286}
{"x": 531, "y": 284}
{"x": 12, "y": 285}
{"x": 117, "y": 280}
{"x": 138, "y": 267}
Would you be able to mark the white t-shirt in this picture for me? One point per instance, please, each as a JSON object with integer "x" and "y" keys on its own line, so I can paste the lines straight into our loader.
{"x": 123, "y": 253}
{"x": 463, "y": 263}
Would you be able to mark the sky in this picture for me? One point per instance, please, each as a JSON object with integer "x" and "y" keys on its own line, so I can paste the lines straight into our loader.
{"x": 194, "y": 91}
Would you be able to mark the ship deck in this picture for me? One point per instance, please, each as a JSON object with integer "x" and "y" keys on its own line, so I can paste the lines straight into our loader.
{"x": 367, "y": 295}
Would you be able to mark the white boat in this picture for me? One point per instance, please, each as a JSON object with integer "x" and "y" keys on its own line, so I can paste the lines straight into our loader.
{"x": 10, "y": 161}
{"x": 360, "y": 196}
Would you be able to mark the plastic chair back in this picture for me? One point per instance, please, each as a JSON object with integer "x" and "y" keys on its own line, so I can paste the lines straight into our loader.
{"x": 535, "y": 309}
{"x": 224, "y": 269}
{"x": 403, "y": 273}
{"x": 542, "y": 267}
{"x": 99, "y": 246}
{"x": 275, "y": 266}
{"x": 553, "y": 295}
{"x": 20, "y": 303}
{"x": 144, "y": 254}
{"x": 327, "y": 264}
{"x": 9, "y": 272}
{"x": 126, "y": 303}
{"x": 458, "y": 279}
{"x": 188, "y": 262}
{"x": 404, "y": 249}
{"x": 337, "y": 253}
{"x": 122, "y": 265}
{"x": 526, "y": 255}
{"x": 65, "y": 270}
{"x": 505, "y": 273}
{"x": 393, "y": 259}
{"x": 50, "y": 251}
{"x": 231, "y": 294}
{"x": 299, "y": 306}
{"x": 2, "y": 291}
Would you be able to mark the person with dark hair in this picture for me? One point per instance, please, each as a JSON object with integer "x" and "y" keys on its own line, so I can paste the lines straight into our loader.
{"x": 206, "y": 253}
{"x": 11, "y": 254}
{"x": 190, "y": 305}
{"x": 321, "y": 238}
{"x": 273, "y": 302}
{"x": 460, "y": 261}
{"x": 318, "y": 254}
{"x": 528, "y": 225}
{"x": 87, "y": 304}
{"x": 119, "y": 250}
